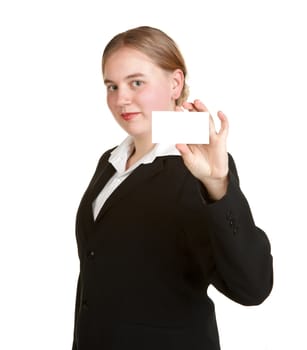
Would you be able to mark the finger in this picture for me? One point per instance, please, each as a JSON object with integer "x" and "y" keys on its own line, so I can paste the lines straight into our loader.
{"x": 200, "y": 106}
{"x": 224, "y": 123}
{"x": 196, "y": 106}
{"x": 212, "y": 130}
{"x": 189, "y": 106}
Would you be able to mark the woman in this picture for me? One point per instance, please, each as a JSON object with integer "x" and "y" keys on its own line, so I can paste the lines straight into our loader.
{"x": 158, "y": 224}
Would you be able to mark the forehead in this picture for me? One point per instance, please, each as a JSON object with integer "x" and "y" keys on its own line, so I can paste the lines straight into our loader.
{"x": 127, "y": 61}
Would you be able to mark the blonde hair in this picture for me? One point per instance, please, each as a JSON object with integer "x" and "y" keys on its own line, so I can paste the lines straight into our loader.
{"x": 154, "y": 43}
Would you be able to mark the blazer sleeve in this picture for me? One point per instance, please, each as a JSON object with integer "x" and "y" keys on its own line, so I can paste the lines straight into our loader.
{"x": 242, "y": 262}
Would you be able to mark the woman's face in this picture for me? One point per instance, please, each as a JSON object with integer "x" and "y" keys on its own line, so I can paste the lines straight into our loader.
{"x": 135, "y": 87}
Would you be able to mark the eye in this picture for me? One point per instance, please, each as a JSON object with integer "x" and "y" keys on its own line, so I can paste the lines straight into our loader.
{"x": 137, "y": 83}
{"x": 111, "y": 87}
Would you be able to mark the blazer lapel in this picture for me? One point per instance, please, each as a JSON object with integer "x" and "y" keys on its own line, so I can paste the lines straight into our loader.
{"x": 140, "y": 175}
{"x": 102, "y": 178}
{"x": 85, "y": 212}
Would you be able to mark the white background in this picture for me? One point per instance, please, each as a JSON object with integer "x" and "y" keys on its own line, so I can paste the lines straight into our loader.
{"x": 247, "y": 58}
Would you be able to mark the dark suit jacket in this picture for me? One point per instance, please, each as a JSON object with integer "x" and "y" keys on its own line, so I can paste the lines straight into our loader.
{"x": 156, "y": 245}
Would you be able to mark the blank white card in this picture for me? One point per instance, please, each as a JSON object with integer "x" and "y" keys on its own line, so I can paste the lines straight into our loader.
{"x": 180, "y": 127}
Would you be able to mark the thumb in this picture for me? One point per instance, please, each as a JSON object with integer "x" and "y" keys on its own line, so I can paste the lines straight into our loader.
{"x": 183, "y": 149}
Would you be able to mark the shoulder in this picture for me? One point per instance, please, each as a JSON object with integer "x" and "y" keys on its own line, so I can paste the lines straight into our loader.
{"x": 105, "y": 156}
{"x": 103, "y": 160}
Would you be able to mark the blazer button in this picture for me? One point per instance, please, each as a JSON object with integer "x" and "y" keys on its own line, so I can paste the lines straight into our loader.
{"x": 91, "y": 254}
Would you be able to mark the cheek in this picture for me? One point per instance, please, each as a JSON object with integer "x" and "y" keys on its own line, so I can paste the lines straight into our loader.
{"x": 156, "y": 99}
{"x": 110, "y": 101}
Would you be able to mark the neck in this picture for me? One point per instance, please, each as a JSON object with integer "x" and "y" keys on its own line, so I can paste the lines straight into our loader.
{"x": 141, "y": 147}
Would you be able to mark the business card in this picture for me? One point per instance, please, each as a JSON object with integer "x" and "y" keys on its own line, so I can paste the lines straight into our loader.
{"x": 180, "y": 127}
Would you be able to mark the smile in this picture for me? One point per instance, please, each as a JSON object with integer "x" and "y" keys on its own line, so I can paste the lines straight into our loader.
{"x": 129, "y": 116}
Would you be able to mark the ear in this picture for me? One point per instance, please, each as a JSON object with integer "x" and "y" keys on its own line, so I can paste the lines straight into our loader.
{"x": 177, "y": 80}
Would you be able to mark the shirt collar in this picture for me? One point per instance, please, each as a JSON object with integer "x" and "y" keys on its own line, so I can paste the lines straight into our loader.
{"x": 121, "y": 153}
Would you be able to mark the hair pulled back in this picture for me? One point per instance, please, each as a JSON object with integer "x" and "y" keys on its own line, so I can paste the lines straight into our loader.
{"x": 154, "y": 43}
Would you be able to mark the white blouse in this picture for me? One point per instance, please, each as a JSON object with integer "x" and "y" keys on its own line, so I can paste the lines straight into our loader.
{"x": 118, "y": 159}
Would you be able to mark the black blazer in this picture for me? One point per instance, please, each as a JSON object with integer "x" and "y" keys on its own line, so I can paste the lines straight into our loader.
{"x": 155, "y": 247}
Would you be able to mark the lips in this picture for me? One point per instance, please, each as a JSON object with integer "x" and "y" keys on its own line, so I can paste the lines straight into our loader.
{"x": 129, "y": 116}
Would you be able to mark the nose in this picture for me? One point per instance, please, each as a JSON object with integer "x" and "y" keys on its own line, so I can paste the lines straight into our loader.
{"x": 123, "y": 97}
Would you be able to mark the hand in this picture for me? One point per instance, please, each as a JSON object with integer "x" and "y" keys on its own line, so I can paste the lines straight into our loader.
{"x": 208, "y": 163}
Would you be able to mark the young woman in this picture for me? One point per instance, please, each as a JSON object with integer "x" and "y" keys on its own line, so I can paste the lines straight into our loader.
{"x": 158, "y": 224}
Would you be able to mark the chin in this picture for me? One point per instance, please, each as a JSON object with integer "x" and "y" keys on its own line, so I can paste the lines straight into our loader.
{"x": 139, "y": 133}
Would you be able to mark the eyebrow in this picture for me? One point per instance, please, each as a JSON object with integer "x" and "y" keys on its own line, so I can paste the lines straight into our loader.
{"x": 130, "y": 76}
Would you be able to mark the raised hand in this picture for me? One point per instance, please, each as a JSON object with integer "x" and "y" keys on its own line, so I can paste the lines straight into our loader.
{"x": 208, "y": 162}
